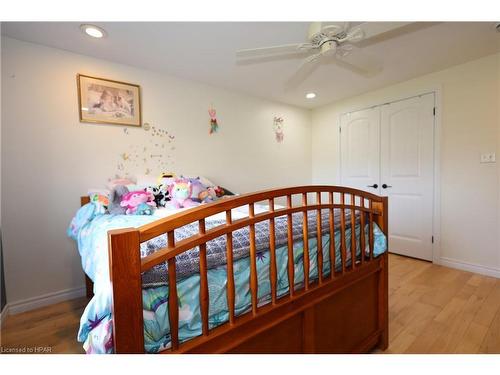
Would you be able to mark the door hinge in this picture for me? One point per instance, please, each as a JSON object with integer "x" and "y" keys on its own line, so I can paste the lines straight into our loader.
{"x": 434, "y": 111}
{"x": 340, "y": 129}
{"x": 432, "y": 239}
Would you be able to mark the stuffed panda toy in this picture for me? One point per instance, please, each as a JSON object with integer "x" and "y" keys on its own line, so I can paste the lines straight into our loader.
{"x": 160, "y": 193}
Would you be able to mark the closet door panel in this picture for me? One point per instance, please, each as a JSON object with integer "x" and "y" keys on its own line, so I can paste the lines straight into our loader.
{"x": 360, "y": 149}
{"x": 407, "y": 164}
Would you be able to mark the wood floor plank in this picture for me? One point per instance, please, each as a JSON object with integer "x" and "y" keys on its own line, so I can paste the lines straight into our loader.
{"x": 487, "y": 313}
{"x": 491, "y": 343}
{"x": 472, "y": 340}
{"x": 457, "y": 324}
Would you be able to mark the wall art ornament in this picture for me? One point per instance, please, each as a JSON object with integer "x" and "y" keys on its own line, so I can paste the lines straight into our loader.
{"x": 278, "y": 127}
{"x": 105, "y": 101}
{"x": 213, "y": 120}
{"x": 151, "y": 153}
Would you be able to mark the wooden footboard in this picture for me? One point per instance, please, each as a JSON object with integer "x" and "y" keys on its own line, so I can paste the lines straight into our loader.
{"x": 342, "y": 312}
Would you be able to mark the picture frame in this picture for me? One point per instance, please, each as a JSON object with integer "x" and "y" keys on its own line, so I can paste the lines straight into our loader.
{"x": 106, "y": 101}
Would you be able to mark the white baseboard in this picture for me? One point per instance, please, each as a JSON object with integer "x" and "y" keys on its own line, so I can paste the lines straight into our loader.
{"x": 470, "y": 267}
{"x": 3, "y": 314}
{"x": 45, "y": 300}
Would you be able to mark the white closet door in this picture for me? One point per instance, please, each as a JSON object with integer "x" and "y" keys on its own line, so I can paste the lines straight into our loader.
{"x": 360, "y": 150}
{"x": 407, "y": 163}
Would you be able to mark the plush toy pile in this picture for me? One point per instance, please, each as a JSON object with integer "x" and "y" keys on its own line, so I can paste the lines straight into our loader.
{"x": 126, "y": 197}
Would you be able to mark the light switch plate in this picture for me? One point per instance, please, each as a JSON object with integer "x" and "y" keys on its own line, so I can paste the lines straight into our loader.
{"x": 488, "y": 158}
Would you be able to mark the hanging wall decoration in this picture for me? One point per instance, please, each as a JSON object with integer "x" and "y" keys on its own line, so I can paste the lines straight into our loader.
{"x": 278, "y": 125}
{"x": 213, "y": 120}
{"x": 105, "y": 101}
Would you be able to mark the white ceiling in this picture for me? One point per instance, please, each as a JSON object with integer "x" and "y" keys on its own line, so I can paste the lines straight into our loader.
{"x": 205, "y": 52}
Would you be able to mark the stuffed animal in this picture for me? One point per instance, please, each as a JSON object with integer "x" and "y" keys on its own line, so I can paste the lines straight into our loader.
{"x": 134, "y": 199}
{"x": 143, "y": 209}
{"x": 208, "y": 195}
{"x": 160, "y": 193}
{"x": 219, "y": 191}
{"x": 211, "y": 194}
{"x": 115, "y": 199}
{"x": 197, "y": 187}
{"x": 180, "y": 193}
{"x": 101, "y": 202}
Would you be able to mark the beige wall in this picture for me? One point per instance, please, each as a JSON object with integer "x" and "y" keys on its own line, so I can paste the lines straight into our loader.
{"x": 470, "y": 125}
{"x": 50, "y": 158}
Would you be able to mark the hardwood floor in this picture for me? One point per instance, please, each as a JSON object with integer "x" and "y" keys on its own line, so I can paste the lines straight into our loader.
{"x": 53, "y": 327}
{"x": 435, "y": 309}
{"x": 432, "y": 309}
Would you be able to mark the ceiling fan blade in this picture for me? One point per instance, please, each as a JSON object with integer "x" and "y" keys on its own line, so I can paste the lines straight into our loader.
{"x": 344, "y": 49}
{"x": 358, "y": 62}
{"x": 275, "y": 50}
{"x": 374, "y": 29}
{"x": 304, "y": 71}
{"x": 354, "y": 35}
{"x": 335, "y": 28}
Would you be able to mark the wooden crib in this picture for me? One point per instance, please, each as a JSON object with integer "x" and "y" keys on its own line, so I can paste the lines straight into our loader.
{"x": 343, "y": 312}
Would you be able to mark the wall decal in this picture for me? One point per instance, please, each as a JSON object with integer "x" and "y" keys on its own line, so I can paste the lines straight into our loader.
{"x": 143, "y": 157}
{"x": 278, "y": 126}
{"x": 213, "y": 120}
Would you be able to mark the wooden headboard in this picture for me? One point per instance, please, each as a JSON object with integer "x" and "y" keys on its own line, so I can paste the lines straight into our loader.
{"x": 84, "y": 200}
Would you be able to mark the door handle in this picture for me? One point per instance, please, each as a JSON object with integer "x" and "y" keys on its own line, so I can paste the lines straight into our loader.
{"x": 373, "y": 186}
{"x": 385, "y": 186}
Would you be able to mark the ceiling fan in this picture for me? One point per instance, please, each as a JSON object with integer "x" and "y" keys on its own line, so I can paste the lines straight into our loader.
{"x": 328, "y": 41}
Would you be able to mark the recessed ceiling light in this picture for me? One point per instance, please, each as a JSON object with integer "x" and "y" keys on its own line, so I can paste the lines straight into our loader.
{"x": 310, "y": 95}
{"x": 93, "y": 31}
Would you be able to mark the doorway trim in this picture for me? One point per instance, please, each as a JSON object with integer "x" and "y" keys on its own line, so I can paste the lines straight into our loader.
{"x": 436, "y": 89}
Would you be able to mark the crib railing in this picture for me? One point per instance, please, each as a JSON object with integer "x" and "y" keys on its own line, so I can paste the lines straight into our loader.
{"x": 126, "y": 266}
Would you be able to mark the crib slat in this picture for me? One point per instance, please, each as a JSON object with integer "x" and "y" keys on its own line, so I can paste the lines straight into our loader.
{"x": 362, "y": 231}
{"x": 204, "y": 297}
{"x": 272, "y": 253}
{"x": 305, "y": 236}
{"x": 230, "y": 272}
{"x": 291, "y": 264}
{"x": 253, "y": 261}
{"x": 353, "y": 232}
{"x": 332, "y": 236}
{"x": 319, "y": 240}
{"x": 370, "y": 229}
{"x": 173, "y": 308}
{"x": 342, "y": 233}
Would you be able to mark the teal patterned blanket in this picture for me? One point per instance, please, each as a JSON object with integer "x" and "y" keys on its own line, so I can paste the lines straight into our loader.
{"x": 187, "y": 263}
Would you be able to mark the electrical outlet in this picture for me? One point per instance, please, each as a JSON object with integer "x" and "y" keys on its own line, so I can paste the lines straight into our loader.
{"x": 488, "y": 158}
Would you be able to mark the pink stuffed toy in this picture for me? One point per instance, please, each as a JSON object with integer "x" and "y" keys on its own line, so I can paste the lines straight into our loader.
{"x": 135, "y": 199}
{"x": 180, "y": 193}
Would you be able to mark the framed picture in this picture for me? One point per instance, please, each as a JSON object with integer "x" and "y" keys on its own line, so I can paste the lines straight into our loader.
{"x": 105, "y": 101}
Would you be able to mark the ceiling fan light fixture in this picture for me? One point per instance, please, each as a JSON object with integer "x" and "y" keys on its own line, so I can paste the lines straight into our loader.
{"x": 310, "y": 95}
{"x": 93, "y": 31}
